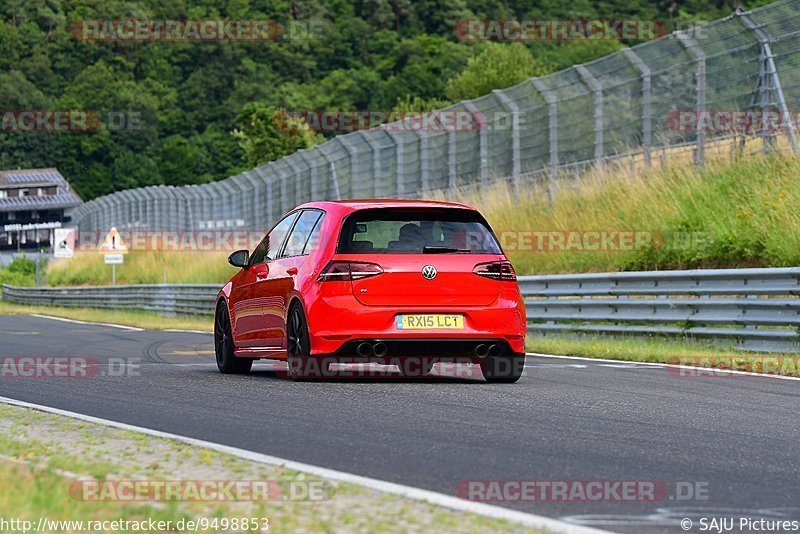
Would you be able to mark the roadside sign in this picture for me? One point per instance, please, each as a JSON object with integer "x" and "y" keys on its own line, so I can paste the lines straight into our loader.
{"x": 114, "y": 259}
{"x": 64, "y": 242}
{"x": 113, "y": 244}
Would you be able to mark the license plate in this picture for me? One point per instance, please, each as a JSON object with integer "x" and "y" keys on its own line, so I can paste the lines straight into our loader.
{"x": 430, "y": 322}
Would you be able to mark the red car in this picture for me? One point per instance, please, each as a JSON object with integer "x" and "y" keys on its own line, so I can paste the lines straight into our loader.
{"x": 398, "y": 282}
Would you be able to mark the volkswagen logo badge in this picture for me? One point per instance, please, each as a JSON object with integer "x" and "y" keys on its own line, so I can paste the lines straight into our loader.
{"x": 429, "y": 272}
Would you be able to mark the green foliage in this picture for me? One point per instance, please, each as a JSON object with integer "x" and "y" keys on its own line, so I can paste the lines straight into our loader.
{"x": 20, "y": 272}
{"x": 497, "y": 67}
{"x": 22, "y": 265}
{"x": 266, "y": 134}
{"x": 738, "y": 212}
{"x": 367, "y": 54}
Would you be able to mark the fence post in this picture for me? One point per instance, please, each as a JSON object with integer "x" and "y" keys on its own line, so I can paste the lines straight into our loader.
{"x": 593, "y": 84}
{"x": 477, "y": 117}
{"x": 376, "y": 164}
{"x": 262, "y": 174}
{"x": 334, "y": 180}
{"x": 296, "y": 176}
{"x": 424, "y": 161}
{"x": 258, "y": 214}
{"x": 400, "y": 159}
{"x": 354, "y": 177}
{"x": 552, "y": 101}
{"x": 700, "y": 58}
{"x": 644, "y": 70}
{"x": 771, "y": 72}
{"x": 516, "y": 164}
{"x": 312, "y": 165}
{"x": 451, "y": 160}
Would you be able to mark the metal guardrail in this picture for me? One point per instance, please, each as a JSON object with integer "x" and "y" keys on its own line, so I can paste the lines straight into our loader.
{"x": 197, "y": 299}
{"x": 747, "y": 309}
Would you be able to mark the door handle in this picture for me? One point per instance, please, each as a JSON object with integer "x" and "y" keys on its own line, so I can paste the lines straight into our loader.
{"x": 291, "y": 271}
{"x": 260, "y": 277}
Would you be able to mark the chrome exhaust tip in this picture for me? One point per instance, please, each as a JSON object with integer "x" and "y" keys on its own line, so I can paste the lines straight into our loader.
{"x": 364, "y": 349}
{"x": 495, "y": 351}
{"x": 482, "y": 351}
{"x": 379, "y": 349}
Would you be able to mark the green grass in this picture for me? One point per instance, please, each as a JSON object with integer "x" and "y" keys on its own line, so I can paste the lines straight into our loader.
{"x": 738, "y": 212}
{"x": 42, "y": 493}
{"x": 44, "y": 454}
{"x": 659, "y": 350}
{"x": 142, "y": 267}
{"x": 20, "y": 272}
{"x": 139, "y": 319}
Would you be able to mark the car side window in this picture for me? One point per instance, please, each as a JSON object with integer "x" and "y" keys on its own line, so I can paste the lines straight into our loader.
{"x": 270, "y": 246}
{"x": 313, "y": 238}
{"x": 298, "y": 238}
{"x": 259, "y": 253}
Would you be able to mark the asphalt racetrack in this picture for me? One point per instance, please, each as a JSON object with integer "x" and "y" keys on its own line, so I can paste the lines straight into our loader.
{"x": 735, "y": 441}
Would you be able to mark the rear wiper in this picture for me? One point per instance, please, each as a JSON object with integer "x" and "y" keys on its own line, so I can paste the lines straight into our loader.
{"x": 443, "y": 250}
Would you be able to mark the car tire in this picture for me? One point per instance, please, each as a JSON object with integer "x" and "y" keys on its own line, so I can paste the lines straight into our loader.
{"x": 298, "y": 344}
{"x": 227, "y": 362}
{"x": 503, "y": 369}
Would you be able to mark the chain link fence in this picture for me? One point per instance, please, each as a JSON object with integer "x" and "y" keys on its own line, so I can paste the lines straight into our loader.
{"x": 626, "y": 104}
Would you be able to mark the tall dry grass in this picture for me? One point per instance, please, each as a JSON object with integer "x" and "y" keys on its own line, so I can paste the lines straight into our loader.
{"x": 142, "y": 267}
{"x": 741, "y": 210}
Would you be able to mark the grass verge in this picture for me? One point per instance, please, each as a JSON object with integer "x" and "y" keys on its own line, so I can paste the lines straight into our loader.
{"x": 142, "y": 267}
{"x": 45, "y": 455}
{"x": 135, "y": 318}
{"x": 673, "y": 351}
{"x": 736, "y": 212}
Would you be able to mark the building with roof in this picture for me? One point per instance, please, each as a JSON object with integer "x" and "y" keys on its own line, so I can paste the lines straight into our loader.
{"x": 33, "y": 202}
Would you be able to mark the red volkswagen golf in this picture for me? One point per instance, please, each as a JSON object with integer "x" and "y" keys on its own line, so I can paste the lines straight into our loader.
{"x": 398, "y": 282}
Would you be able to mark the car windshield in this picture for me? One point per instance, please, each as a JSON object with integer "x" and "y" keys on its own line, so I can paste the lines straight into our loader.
{"x": 407, "y": 231}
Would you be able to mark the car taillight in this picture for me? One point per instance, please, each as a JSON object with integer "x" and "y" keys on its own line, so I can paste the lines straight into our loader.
{"x": 496, "y": 270}
{"x": 348, "y": 270}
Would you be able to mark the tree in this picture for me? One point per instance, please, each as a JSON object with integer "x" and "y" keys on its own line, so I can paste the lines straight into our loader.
{"x": 266, "y": 134}
{"x": 498, "y": 66}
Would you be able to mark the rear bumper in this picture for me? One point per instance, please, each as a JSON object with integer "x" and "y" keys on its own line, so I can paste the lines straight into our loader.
{"x": 338, "y": 324}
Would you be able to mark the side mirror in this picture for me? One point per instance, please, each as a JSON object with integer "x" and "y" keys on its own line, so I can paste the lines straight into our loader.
{"x": 239, "y": 258}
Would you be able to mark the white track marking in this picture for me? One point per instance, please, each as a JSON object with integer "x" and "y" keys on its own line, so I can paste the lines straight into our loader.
{"x": 110, "y": 325}
{"x": 410, "y": 492}
{"x": 184, "y": 331}
{"x": 678, "y": 367}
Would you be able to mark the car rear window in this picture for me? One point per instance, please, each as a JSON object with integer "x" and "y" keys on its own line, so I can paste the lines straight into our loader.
{"x": 407, "y": 231}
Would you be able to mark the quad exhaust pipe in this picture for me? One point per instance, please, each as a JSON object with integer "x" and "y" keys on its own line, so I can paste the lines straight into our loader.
{"x": 366, "y": 349}
{"x": 482, "y": 351}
